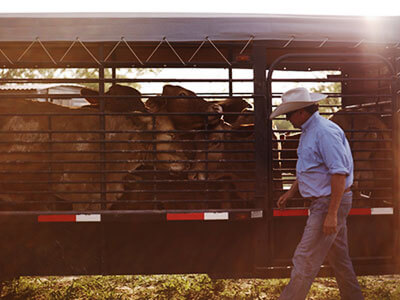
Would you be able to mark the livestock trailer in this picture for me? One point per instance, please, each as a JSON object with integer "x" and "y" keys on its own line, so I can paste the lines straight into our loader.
{"x": 159, "y": 176}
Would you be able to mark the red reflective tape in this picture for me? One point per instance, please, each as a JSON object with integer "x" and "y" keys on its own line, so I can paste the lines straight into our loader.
{"x": 360, "y": 211}
{"x": 184, "y": 216}
{"x": 290, "y": 212}
{"x": 57, "y": 218}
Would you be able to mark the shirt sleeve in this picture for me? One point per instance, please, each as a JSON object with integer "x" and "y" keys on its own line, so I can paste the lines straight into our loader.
{"x": 334, "y": 152}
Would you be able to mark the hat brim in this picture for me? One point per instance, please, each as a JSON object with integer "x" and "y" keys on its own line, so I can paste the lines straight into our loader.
{"x": 286, "y": 107}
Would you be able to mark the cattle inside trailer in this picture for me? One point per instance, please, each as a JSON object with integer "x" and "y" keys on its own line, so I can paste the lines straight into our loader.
{"x": 179, "y": 172}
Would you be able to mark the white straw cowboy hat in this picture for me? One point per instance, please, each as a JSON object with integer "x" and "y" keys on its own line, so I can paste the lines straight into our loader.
{"x": 295, "y": 99}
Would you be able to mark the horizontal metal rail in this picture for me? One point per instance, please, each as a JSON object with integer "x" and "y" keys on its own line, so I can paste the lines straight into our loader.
{"x": 347, "y": 130}
{"x": 183, "y": 80}
{"x": 126, "y": 151}
{"x": 126, "y": 171}
{"x": 358, "y": 169}
{"x": 120, "y": 131}
{"x": 131, "y": 181}
{"x": 120, "y": 80}
{"x": 125, "y": 141}
{"x": 353, "y": 150}
{"x": 145, "y": 161}
{"x": 337, "y": 79}
{"x": 124, "y": 64}
{"x": 92, "y": 112}
{"x": 161, "y": 191}
{"x": 360, "y": 179}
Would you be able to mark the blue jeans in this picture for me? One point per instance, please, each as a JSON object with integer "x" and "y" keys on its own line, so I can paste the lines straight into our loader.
{"x": 315, "y": 246}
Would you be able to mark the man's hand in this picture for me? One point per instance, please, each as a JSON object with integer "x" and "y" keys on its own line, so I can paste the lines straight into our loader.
{"x": 289, "y": 194}
{"x": 338, "y": 182}
{"x": 283, "y": 199}
{"x": 330, "y": 224}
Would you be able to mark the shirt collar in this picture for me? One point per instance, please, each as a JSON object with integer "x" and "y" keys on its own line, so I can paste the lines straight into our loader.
{"x": 308, "y": 123}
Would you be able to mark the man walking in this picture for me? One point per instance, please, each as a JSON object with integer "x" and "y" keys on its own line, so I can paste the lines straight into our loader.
{"x": 324, "y": 174}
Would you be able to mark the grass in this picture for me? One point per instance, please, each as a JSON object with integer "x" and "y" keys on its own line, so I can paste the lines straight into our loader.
{"x": 180, "y": 287}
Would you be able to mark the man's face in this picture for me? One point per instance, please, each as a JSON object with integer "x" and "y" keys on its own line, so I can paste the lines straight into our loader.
{"x": 296, "y": 117}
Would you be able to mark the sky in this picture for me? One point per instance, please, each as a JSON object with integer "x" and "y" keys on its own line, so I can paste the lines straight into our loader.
{"x": 313, "y": 7}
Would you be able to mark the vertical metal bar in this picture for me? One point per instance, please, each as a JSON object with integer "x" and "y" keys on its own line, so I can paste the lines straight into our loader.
{"x": 103, "y": 137}
{"x": 206, "y": 149}
{"x": 263, "y": 134}
{"x": 230, "y": 72}
{"x": 263, "y": 153}
{"x": 103, "y": 189}
{"x": 155, "y": 165}
{"x": 114, "y": 74}
{"x": 395, "y": 89}
{"x": 230, "y": 81}
{"x": 344, "y": 89}
{"x": 50, "y": 148}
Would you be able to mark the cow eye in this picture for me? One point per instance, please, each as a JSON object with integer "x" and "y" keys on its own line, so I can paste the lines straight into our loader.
{"x": 182, "y": 94}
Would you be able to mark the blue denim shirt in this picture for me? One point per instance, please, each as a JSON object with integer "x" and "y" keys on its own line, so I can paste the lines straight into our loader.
{"x": 323, "y": 150}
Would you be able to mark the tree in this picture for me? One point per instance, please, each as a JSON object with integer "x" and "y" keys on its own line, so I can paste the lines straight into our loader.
{"x": 330, "y": 104}
{"x": 78, "y": 73}
{"x": 26, "y": 73}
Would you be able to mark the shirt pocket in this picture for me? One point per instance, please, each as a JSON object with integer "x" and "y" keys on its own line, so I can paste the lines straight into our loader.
{"x": 307, "y": 158}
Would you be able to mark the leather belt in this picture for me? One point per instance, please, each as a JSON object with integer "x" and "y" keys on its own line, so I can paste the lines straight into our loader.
{"x": 313, "y": 198}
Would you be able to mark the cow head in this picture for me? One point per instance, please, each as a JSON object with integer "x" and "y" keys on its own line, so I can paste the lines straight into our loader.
{"x": 233, "y": 105}
{"x": 167, "y": 144}
{"x": 176, "y": 99}
{"x": 166, "y": 154}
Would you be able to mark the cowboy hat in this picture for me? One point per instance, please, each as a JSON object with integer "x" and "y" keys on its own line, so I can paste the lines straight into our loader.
{"x": 295, "y": 99}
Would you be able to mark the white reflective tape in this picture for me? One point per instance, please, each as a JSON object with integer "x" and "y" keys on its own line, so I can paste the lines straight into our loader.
{"x": 382, "y": 211}
{"x": 256, "y": 214}
{"x": 88, "y": 218}
{"x": 216, "y": 216}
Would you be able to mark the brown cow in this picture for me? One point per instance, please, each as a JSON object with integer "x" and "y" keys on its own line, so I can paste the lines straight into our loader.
{"x": 233, "y": 105}
{"x": 54, "y": 151}
{"x": 175, "y": 99}
{"x": 189, "y": 190}
{"x": 230, "y": 156}
{"x": 145, "y": 188}
{"x": 205, "y": 147}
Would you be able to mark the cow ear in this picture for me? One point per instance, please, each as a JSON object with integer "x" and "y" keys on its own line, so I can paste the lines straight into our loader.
{"x": 90, "y": 95}
{"x": 156, "y": 104}
{"x": 168, "y": 89}
{"x": 117, "y": 89}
